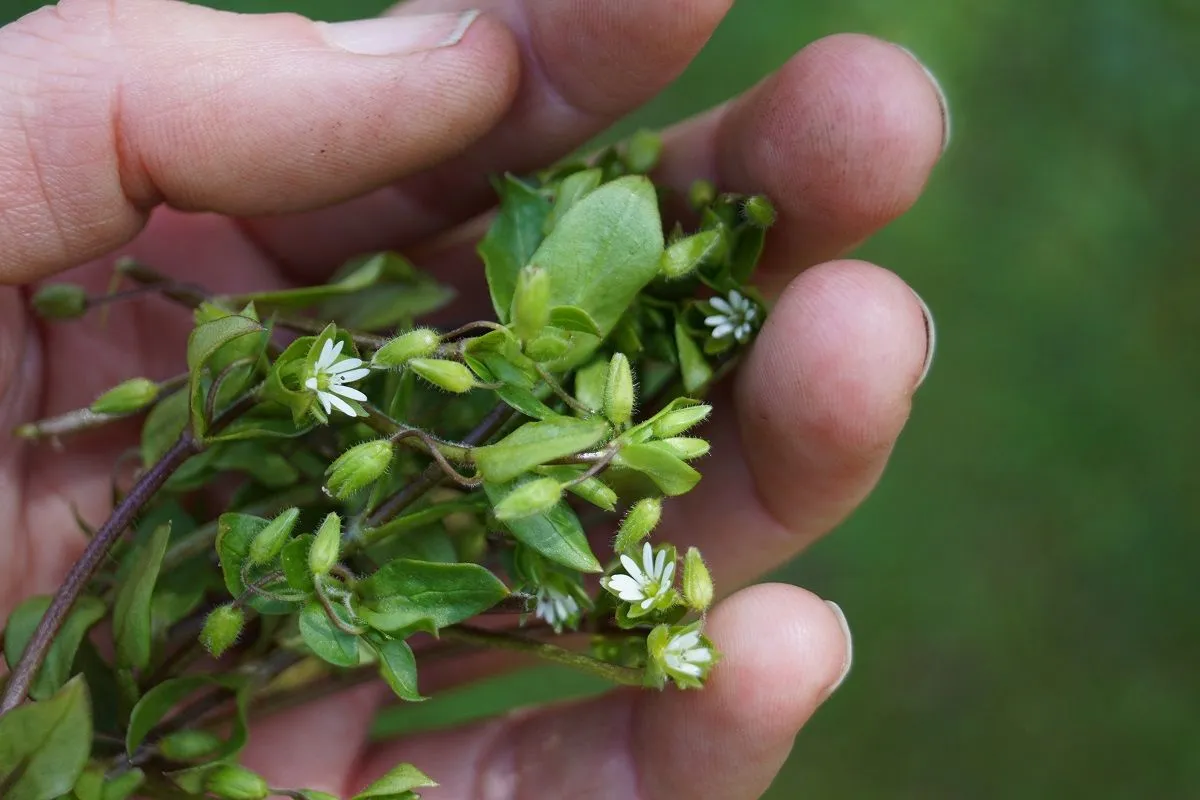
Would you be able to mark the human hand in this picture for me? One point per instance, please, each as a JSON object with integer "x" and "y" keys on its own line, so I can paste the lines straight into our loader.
{"x": 251, "y": 152}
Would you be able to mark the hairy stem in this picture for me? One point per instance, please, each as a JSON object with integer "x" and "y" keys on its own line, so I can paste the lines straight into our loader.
{"x": 97, "y": 549}
{"x": 501, "y": 640}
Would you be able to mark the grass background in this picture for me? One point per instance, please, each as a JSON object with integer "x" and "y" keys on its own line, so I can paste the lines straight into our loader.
{"x": 1022, "y": 585}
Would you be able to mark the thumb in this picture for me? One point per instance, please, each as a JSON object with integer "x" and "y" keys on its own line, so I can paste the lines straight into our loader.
{"x": 108, "y": 109}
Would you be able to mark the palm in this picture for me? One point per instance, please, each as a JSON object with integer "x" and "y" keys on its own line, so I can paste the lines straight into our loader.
{"x": 818, "y": 405}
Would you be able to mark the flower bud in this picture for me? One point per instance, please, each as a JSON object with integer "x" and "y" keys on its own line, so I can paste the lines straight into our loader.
{"x": 358, "y": 468}
{"x": 126, "y": 398}
{"x": 416, "y": 343}
{"x": 189, "y": 745}
{"x": 327, "y": 546}
{"x": 643, "y": 151}
{"x": 268, "y": 542}
{"x": 596, "y": 492}
{"x": 642, "y": 518}
{"x": 449, "y": 375}
{"x": 685, "y": 447}
{"x": 221, "y": 629}
{"x": 60, "y": 301}
{"x": 701, "y": 194}
{"x": 759, "y": 212}
{"x": 697, "y": 582}
{"x": 234, "y": 782}
{"x": 528, "y": 499}
{"x": 676, "y": 422}
{"x": 589, "y": 384}
{"x": 684, "y": 256}
{"x": 530, "y": 303}
{"x": 547, "y": 346}
{"x": 618, "y": 391}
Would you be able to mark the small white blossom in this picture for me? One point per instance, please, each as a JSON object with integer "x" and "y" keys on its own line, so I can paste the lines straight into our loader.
{"x": 686, "y": 655}
{"x": 556, "y": 607}
{"x": 736, "y": 317}
{"x": 645, "y": 584}
{"x": 329, "y": 377}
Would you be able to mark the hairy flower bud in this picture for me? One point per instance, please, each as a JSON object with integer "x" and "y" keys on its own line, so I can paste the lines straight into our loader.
{"x": 235, "y": 782}
{"x": 327, "y": 546}
{"x": 701, "y": 194}
{"x": 618, "y": 391}
{"x": 676, "y": 422}
{"x": 642, "y": 518}
{"x": 188, "y": 745}
{"x": 759, "y": 212}
{"x": 222, "y": 628}
{"x": 697, "y": 582}
{"x": 449, "y": 375}
{"x": 685, "y": 255}
{"x": 685, "y": 447}
{"x": 416, "y": 343}
{"x": 529, "y": 498}
{"x": 643, "y": 151}
{"x": 60, "y": 301}
{"x": 530, "y": 303}
{"x": 547, "y": 346}
{"x": 358, "y": 468}
{"x": 126, "y": 398}
{"x": 270, "y": 540}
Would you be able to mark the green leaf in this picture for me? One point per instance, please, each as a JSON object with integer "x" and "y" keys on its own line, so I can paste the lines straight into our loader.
{"x": 536, "y": 443}
{"x": 164, "y": 424}
{"x": 406, "y": 595}
{"x": 123, "y": 786}
{"x": 235, "y": 533}
{"x": 571, "y": 190}
{"x": 44, "y": 746}
{"x": 397, "y": 666}
{"x": 56, "y": 667}
{"x": 203, "y": 343}
{"x": 672, "y": 475}
{"x": 693, "y": 367}
{"x": 574, "y": 318}
{"x": 397, "y": 784}
{"x": 605, "y": 250}
{"x": 512, "y": 239}
{"x": 325, "y": 639}
{"x": 313, "y": 794}
{"x": 156, "y": 703}
{"x": 131, "y": 611}
{"x": 294, "y": 560}
{"x": 556, "y": 534}
{"x": 360, "y": 276}
{"x": 398, "y": 294}
{"x": 746, "y": 253}
{"x": 262, "y": 423}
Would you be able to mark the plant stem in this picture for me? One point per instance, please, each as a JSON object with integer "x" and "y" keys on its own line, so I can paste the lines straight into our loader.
{"x": 97, "y": 549}
{"x": 500, "y": 640}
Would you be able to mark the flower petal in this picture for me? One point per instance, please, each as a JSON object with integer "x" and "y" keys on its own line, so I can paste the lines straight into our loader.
{"x": 715, "y": 320}
{"x": 345, "y": 364}
{"x": 633, "y": 569}
{"x": 736, "y": 299}
{"x": 720, "y": 304}
{"x": 648, "y": 560}
{"x": 689, "y": 669}
{"x": 311, "y": 383}
{"x": 325, "y": 358}
{"x": 351, "y": 376}
{"x": 323, "y": 397}
{"x": 348, "y": 391}
{"x": 685, "y": 641}
{"x": 341, "y": 405}
{"x": 721, "y": 331}
{"x": 668, "y": 574}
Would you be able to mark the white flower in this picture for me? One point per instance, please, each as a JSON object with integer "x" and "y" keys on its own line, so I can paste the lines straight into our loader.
{"x": 737, "y": 317}
{"x": 329, "y": 377}
{"x": 647, "y": 583}
{"x": 686, "y": 655}
{"x": 555, "y": 606}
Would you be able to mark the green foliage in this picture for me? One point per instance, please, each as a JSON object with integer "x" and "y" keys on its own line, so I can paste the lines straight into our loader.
{"x": 44, "y": 746}
{"x": 131, "y": 611}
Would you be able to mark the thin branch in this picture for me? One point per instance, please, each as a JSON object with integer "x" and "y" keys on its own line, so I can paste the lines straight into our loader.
{"x": 500, "y": 640}
{"x": 562, "y": 393}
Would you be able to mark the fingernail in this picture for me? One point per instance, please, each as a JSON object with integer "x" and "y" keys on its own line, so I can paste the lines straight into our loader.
{"x": 393, "y": 36}
{"x": 841, "y": 618}
{"x": 941, "y": 96}
{"x": 930, "y": 339}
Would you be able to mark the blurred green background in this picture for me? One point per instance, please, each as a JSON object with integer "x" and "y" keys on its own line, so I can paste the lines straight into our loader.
{"x": 1022, "y": 585}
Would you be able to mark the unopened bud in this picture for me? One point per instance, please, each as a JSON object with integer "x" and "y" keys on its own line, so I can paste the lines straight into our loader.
{"x": 684, "y": 256}
{"x": 60, "y": 301}
{"x": 234, "y": 782}
{"x": 685, "y": 447}
{"x": 189, "y": 745}
{"x": 596, "y": 492}
{"x": 638, "y": 523}
{"x": 529, "y": 498}
{"x": 449, "y": 375}
{"x": 676, "y": 422}
{"x": 414, "y": 344}
{"x": 701, "y": 194}
{"x": 618, "y": 391}
{"x": 759, "y": 212}
{"x": 643, "y": 151}
{"x": 268, "y": 542}
{"x": 697, "y": 582}
{"x": 327, "y": 546}
{"x": 589, "y": 384}
{"x": 221, "y": 629}
{"x": 358, "y": 468}
{"x": 531, "y": 303}
{"x": 126, "y": 398}
{"x": 547, "y": 346}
